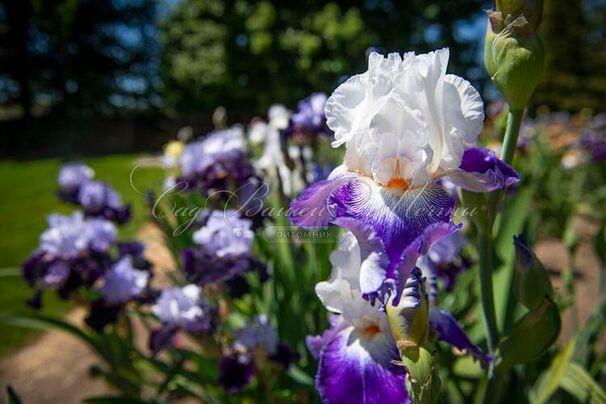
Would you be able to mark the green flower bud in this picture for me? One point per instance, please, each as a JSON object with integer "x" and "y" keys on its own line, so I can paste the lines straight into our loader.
{"x": 532, "y": 335}
{"x": 409, "y": 319}
{"x": 422, "y": 380}
{"x": 531, "y": 282}
{"x": 514, "y": 57}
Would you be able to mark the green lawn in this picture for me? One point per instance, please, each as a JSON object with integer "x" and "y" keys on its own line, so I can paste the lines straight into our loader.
{"x": 28, "y": 196}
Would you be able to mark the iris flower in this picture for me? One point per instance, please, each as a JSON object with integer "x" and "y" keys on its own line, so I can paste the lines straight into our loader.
{"x": 357, "y": 353}
{"x": 405, "y": 125}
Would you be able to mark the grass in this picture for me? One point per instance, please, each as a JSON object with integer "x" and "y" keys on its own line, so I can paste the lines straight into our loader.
{"x": 28, "y": 196}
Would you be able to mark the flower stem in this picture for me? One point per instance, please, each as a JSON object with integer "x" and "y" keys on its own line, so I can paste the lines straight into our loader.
{"x": 514, "y": 120}
{"x": 486, "y": 288}
{"x": 495, "y": 379}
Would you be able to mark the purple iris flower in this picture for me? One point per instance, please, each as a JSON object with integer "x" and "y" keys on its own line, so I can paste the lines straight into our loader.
{"x": 98, "y": 199}
{"x": 357, "y": 353}
{"x": 388, "y": 181}
{"x": 482, "y": 171}
{"x": 216, "y": 163}
{"x": 180, "y": 308}
{"x": 236, "y": 372}
{"x": 594, "y": 138}
{"x": 225, "y": 250}
{"x": 71, "y": 177}
{"x": 123, "y": 282}
{"x": 309, "y": 120}
{"x": 73, "y": 252}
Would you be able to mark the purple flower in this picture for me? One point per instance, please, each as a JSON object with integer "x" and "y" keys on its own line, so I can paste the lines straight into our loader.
{"x": 309, "y": 120}
{"x": 123, "y": 282}
{"x": 74, "y": 175}
{"x": 216, "y": 163}
{"x": 482, "y": 171}
{"x": 98, "y": 199}
{"x": 71, "y": 177}
{"x": 257, "y": 334}
{"x": 73, "y": 252}
{"x": 183, "y": 308}
{"x": 71, "y": 236}
{"x": 225, "y": 233}
{"x": 225, "y": 252}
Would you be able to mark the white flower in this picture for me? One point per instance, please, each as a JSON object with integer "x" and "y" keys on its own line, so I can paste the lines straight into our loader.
{"x": 405, "y": 119}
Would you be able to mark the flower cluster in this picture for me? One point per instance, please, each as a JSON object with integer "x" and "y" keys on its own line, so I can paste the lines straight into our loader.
{"x": 95, "y": 198}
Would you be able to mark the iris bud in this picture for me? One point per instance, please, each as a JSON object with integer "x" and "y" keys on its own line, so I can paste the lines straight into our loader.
{"x": 531, "y": 282}
{"x": 409, "y": 317}
{"x": 532, "y": 335}
{"x": 514, "y": 56}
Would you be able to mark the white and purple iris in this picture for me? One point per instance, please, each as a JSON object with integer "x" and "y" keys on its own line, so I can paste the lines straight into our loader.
{"x": 179, "y": 308}
{"x": 216, "y": 163}
{"x": 73, "y": 251}
{"x": 225, "y": 249}
{"x": 356, "y": 354}
{"x": 123, "y": 282}
{"x": 405, "y": 124}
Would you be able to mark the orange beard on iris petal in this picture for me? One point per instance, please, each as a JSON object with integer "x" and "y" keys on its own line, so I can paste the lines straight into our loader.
{"x": 398, "y": 183}
{"x": 371, "y": 330}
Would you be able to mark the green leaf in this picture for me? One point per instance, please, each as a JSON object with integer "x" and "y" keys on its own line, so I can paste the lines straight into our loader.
{"x": 579, "y": 384}
{"x": 113, "y": 400}
{"x": 512, "y": 221}
{"x": 550, "y": 379}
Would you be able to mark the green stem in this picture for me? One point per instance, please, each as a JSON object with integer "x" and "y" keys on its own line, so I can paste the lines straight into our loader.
{"x": 493, "y": 389}
{"x": 514, "y": 120}
{"x": 486, "y": 288}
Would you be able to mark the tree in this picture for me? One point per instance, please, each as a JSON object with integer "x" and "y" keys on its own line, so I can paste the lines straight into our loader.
{"x": 246, "y": 55}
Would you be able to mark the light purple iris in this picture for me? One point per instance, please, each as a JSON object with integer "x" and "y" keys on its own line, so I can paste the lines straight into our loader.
{"x": 123, "y": 282}
{"x": 223, "y": 145}
{"x": 257, "y": 334}
{"x": 95, "y": 195}
{"x": 69, "y": 236}
{"x": 182, "y": 308}
{"x": 310, "y": 119}
{"x": 225, "y": 233}
{"x": 73, "y": 175}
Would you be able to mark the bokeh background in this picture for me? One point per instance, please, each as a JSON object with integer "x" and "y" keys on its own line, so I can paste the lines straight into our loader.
{"x": 110, "y": 81}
